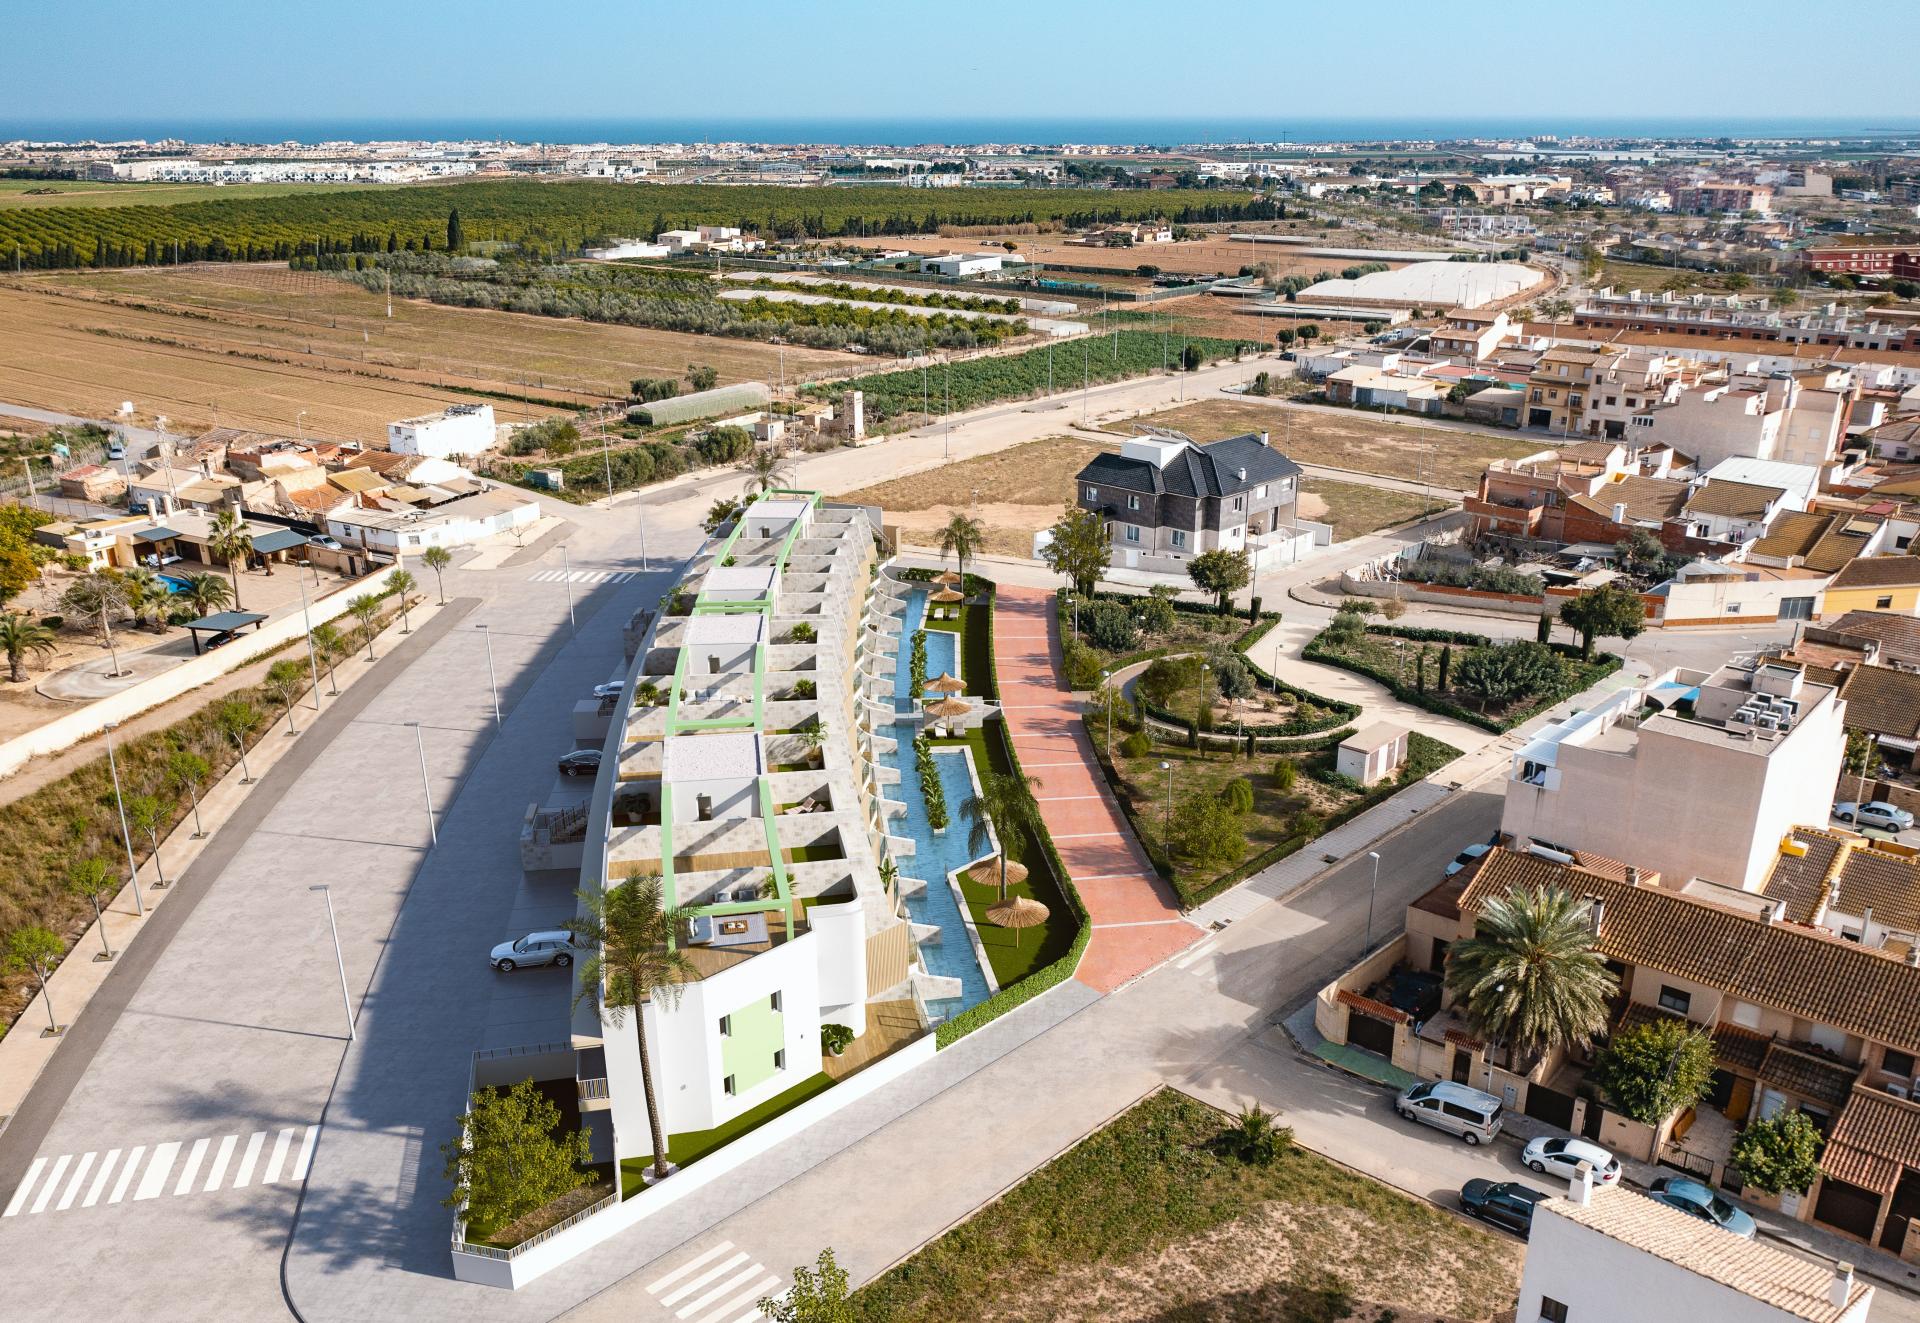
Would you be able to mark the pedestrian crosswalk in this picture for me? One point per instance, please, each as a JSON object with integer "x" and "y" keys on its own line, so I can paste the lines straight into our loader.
{"x": 274, "y": 1156}
{"x": 719, "y": 1285}
{"x": 580, "y": 576}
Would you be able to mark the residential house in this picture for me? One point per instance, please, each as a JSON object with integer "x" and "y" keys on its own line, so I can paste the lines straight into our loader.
{"x": 1560, "y": 389}
{"x": 1167, "y": 498}
{"x": 164, "y": 489}
{"x": 397, "y": 529}
{"x": 93, "y": 482}
{"x": 1817, "y": 540}
{"x": 1468, "y": 336}
{"x": 1875, "y": 583}
{"x": 1896, "y": 639}
{"x": 1735, "y": 512}
{"x": 1369, "y": 387}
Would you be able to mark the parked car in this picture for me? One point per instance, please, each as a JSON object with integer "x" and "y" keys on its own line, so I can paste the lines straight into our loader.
{"x": 1506, "y": 1204}
{"x": 115, "y": 450}
{"x": 1873, "y": 813}
{"x": 1454, "y": 1108}
{"x": 220, "y": 640}
{"x": 1562, "y": 1157}
{"x": 1465, "y": 858}
{"x": 325, "y": 541}
{"x": 611, "y": 689}
{"x": 554, "y": 947}
{"x": 1690, "y": 1196}
{"x": 581, "y": 762}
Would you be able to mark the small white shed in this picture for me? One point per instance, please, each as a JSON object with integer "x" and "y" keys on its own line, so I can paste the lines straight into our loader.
{"x": 1372, "y": 754}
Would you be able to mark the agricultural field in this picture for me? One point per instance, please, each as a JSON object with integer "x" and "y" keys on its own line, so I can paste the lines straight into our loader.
{"x": 90, "y": 193}
{"x": 1023, "y": 488}
{"x": 1213, "y": 254}
{"x": 260, "y": 344}
{"x": 1367, "y": 443}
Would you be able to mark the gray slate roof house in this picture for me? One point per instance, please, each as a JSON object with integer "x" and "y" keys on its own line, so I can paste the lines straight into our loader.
{"x": 1168, "y": 498}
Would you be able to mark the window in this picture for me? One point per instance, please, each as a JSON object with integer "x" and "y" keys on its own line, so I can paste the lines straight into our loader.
{"x": 780, "y": 1059}
{"x": 1260, "y": 493}
{"x": 1552, "y": 1311}
{"x": 1179, "y": 537}
{"x": 1133, "y": 533}
{"x": 726, "y": 1026}
{"x": 1674, "y": 999}
{"x": 726, "y": 1086}
{"x": 1896, "y": 1063}
{"x": 773, "y": 1001}
{"x": 1239, "y": 502}
{"x": 1093, "y": 493}
{"x": 1882, "y": 603}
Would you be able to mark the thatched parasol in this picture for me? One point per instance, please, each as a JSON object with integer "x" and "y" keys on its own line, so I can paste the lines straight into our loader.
{"x": 946, "y": 576}
{"x": 946, "y": 684}
{"x": 986, "y": 873}
{"x": 949, "y": 707}
{"x": 1017, "y": 912}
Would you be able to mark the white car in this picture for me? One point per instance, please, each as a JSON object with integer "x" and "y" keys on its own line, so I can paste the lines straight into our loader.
{"x": 1562, "y": 1157}
{"x": 1464, "y": 860}
{"x": 1874, "y": 813}
{"x": 554, "y": 947}
{"x": 611, "y": 689}
{"x": 325, "y": 541}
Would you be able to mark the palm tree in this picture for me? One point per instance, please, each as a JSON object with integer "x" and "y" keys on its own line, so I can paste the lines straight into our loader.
{"x": 628, "y": 928}
{"x": 330, "y": 644}
{"x": 1005, "y": 800}
{"x": 1531, "y": 973}
{"x": 402, "y": 582}
{"x": 437, "y": 559}
{"x": 961, "y": 538}
{"x": 364, "y": 608}
{"x": 208, "y": 593}
{"x": 766, "y": 469}
{"x": 230, "y": 541}
{"x": 143, "y": 589}
{"x": 20, "y": 638}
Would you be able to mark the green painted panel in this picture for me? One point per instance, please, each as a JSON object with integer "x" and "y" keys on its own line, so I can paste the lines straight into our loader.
{"x": 758, "y": 1031}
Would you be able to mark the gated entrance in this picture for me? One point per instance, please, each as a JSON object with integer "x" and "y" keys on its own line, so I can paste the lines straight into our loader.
{"x": 1373, "y": 1035}
{"x": 1847, "y": 1208}
{"x": 1550, "y": 1105}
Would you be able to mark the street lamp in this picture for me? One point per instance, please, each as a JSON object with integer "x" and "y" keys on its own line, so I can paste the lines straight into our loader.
{"x": 1375, "y": 856}
{"x": 566, "y": 577}
{"x": 313, "y": 660}
{"x": 1104, "y": 677}
{"x": 1166, "y": 827}
{"x": 492, "y": 681}
{"x": 126, "y": 837}
{"x": 426, "y": 787}
{"x": 1200, "y": 705}
{"x": 338, "y": 959}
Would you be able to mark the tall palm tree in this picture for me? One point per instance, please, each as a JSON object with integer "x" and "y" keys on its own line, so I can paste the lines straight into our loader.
{"x": 627, "y": 928}
{"x": 1006, "y": 801}
{"x": 1531, "y": 973}
{"x": 230, "y": 541}
{"x": 437, "y": 559}
{"x": 208, "y": 593}
{"x": 20, "y": 638}
{"x": 766, "y": 469}
{"x": 961, "y": 538}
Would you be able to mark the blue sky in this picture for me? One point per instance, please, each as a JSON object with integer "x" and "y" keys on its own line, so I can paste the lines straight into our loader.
{"x": 290, "y": 60}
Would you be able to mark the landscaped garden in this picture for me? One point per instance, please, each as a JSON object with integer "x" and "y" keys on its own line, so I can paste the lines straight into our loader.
{"x": 1176, "y": 1210}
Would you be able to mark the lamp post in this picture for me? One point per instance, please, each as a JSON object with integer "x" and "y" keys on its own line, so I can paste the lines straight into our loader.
{"x": 313, "y": 660}
{"x": 426, "y": 788}
{"x": 1104, "y": 677}
{"x": 126, "y": 837}
{"x": 1200, "y": 704}
{"x": 1375, "y": 856}
{"x": 339, "y": 960}
{"x": 492, "y": 681}
{"x": 566, "y": 577}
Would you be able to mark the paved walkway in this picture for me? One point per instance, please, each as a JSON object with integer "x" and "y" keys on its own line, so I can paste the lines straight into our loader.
{"x": 1136, "y": 916}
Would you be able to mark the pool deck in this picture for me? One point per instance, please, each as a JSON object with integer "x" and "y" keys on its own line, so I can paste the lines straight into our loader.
{"x": 1136, "y": 918}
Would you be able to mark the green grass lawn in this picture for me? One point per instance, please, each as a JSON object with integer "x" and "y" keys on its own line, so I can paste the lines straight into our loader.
{"x": 693, "y": 1145}
{"x": 1150, "y": 1217}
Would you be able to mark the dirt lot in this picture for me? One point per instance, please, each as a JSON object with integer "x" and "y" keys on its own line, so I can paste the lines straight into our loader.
{"x": 262, "y": 343}
{"x": 1211, "y": 255}
{"x": 1354, "y": 509}
{"x": 1359, "y": 441}
{"x": 1023, "y": 488}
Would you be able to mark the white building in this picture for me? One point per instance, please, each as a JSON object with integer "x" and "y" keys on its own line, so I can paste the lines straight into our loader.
{"x": 459, "y": 429}
{"x": 1615, "y": 1255}
{"x": 457, "y": 523}
{"x": 963, "y": 264}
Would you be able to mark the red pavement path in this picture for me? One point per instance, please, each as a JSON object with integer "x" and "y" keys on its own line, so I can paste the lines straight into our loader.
{"x": 1136, "y": 919}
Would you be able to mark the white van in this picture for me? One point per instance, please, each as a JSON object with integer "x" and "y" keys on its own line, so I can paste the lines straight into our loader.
{"x": 1454, "y": 1108}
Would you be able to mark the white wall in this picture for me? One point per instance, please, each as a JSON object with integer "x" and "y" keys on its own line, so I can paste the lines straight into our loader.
{"x": 451, "y": 434}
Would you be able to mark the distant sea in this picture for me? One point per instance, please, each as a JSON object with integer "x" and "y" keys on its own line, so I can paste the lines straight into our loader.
{"x": 905, "y": 132}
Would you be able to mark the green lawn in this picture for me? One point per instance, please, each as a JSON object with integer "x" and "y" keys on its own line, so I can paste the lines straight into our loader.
{"x": 1149, "y": 1217}
{"x": 693, "y": 1145}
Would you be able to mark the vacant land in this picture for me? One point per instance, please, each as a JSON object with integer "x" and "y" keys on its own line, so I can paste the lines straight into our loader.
{"x": 1363, "y": 442}
{"x": 1355, "y": 509}
{"x": 260, "y": 344}
{"x": 1152, "y": 1218}
{"x": 1015, "y": 493}
{"x": 1214, "y": 254}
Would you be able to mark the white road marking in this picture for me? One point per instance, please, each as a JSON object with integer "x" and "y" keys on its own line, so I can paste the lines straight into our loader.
{"x": 581, "y": 576}
{"x": 127, "y": 1168}
{"x": 305, "y": 1157}
{"x": 729, "y": 1287}
{"x": 279, "y": 1158}
{"x": 245, "y": 1175}
{"x": 53, "y": 1182}
{"x": 682, "y": 1292}
{"x": 221, "y": 1157}
{"x": 655, "y": 1288}
{"x": 100, "y": 1179}
{"x": 73, "y": 1186}
{"x": 758, "y": 1291}
{"x": 192, "y": 1169}
{"x": 159, "y": 1167}
{"x": 25, "y": 1187}
{"x": 1198, "y": 951}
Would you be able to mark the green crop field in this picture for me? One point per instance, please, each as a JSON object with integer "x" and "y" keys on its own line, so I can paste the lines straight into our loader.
{"x": 559, "y": 215}
{"x": 87, "y": 193}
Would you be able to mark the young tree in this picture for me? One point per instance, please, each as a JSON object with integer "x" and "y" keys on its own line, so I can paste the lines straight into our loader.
{"x": 1154, "y": 613}
{"x": 766, "y": 469}
{"x": 188, "y": 771}
{"x": 1652, "y": 1070}
{"x": 142, "y": 589}
{"x": 721, "y": 513}
{"x": 1080, "y": 549}
{"x": 1779, "y": 1153}
{"x": 1530, "y": 973}
{"x": 232, "y": 543}
{"x": 628, "y": 928}
{"x": 402, "y": 582}
{"x": 1505, "y": 672}
{"x": 148, "y": 816}
{"x": 961, "y": 538}
{"x": 702, "y": 377}
{"x": 1005, "y": 802}
{"x": 90, "y": 880}
{"x": 284, "y": 679}
{"x": 1609, "y": 611}
{"x": 35, "y": 950}
{"x": 21, "y": 638}
{"x": 1222, "y": 573}
{"x": 456, "y": 235}
{"x": 98, "y": 597}
{"x": 330, "y": 645}
{"x": 1256, "y": 1137}
{"x": 818, "y": 1295}
{"x": 363, "y": 609}
{"x": 511, "y": 1158}
{"x": 1208, "y": 831}
{"x": 437, "y": 559}
{"x": 207, "y": 593}
{"x": 1165, "y": 679}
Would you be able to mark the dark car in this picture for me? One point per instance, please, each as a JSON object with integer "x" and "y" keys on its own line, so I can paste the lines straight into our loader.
{"x": 1506, "y": 1204}
{"x": 581, "y": 762}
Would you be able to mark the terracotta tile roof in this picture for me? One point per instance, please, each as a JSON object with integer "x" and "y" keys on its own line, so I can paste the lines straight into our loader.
{"x": 1461, "y": 1038}
{"x": 1844, "y": 541}
{"x": 316, "y": 498}
{"x": 1738, "y": 1047}
{"x": 1898, "y": 636}
{"x": 1735, "y": 500}
{"x": 1883, "y": 700}
{"x": 1852, "y": 875}
{"x": 1649, "y": 500}
{"x": 1808, "y": 1075}
{"x": 1879, "y": 572}
{"x": 1876, "y": 1137}
{"x": 1379, "y": 1010}
{"x": 1794, "y": 533}
{"x": 1803, "y": 971}
{"x": 1795, "y": 1285}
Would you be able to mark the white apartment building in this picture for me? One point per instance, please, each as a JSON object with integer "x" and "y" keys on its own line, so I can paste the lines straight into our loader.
{"x": 458, "y": 429}
{"x": 1614, "y": 1255}
{"x": 1795, "y": 418}
{"x": 1694, "y": 775}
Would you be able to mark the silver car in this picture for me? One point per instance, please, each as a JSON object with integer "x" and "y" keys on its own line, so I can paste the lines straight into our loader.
{"x": 1454, "y": 1108}
{"x": 554, "y": 947}
{"x": 1874, "y": 813}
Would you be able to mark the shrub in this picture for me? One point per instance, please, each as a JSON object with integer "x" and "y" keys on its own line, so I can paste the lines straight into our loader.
{"x": 1136, "y": 745}
{"x": 1504, "y": 672}
{"x": 1164, "y": 679}
{"x": 1779, "y": 1153}
{"x": 835, "y": 1037}
{"x": 1110, "y": 626}
{"x": 1081, "y": 666}
{"x": 1154, "y": 613}
{"x": 1208, "y": 832}
{"x": 1255, "y": 1137}
{"x": 1239, "y": 795}
{"x": 1650, "y": 1071}
{"x": 1231, "y": 674}
{"x": 1286, "y": 773}
{"x": 1485, "y": 578}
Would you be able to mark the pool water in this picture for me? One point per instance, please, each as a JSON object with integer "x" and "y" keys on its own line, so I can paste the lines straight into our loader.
{"x": 943, "y": 647}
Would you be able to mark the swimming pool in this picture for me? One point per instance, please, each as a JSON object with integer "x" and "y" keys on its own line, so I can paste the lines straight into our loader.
{"x": 943, "y": 651}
